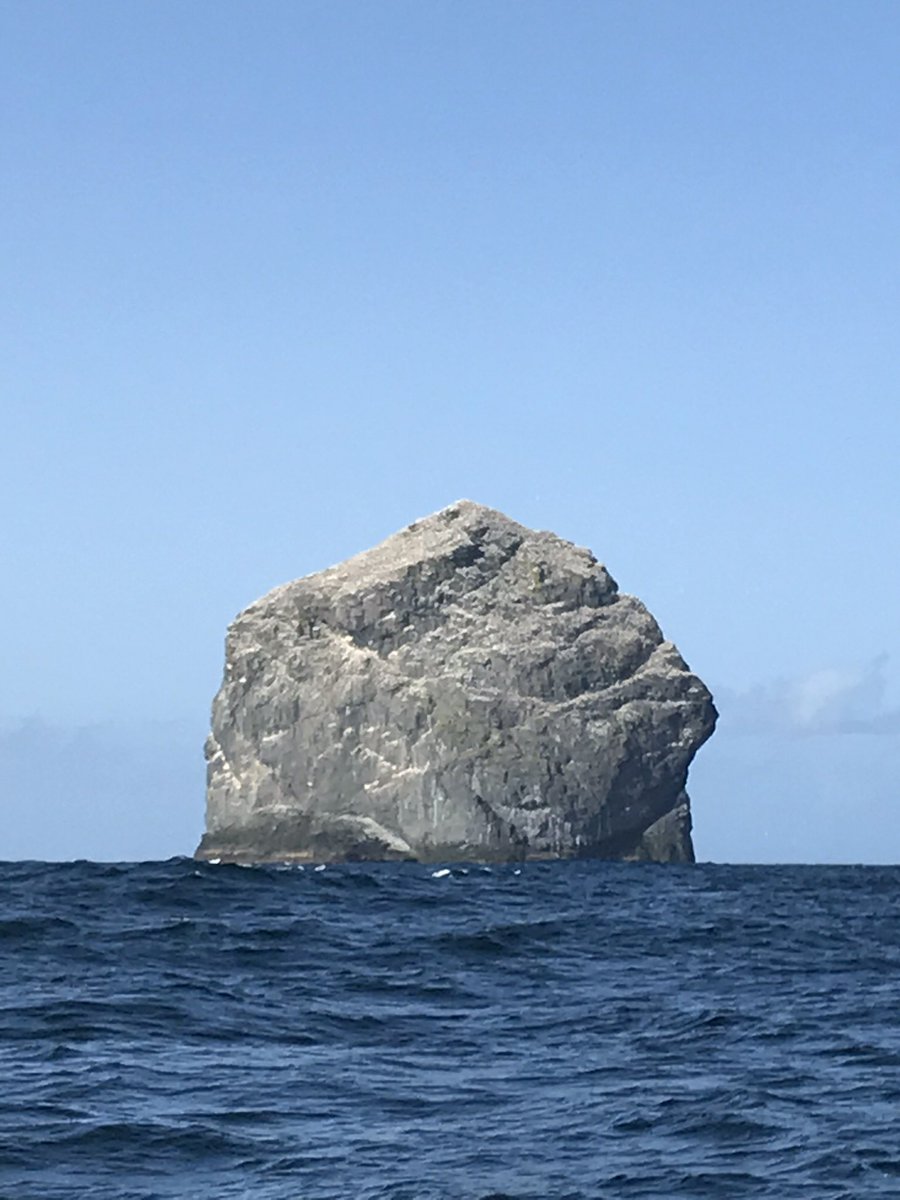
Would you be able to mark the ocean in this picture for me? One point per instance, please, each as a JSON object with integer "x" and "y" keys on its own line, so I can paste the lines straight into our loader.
{"x": 557, "y": 1031}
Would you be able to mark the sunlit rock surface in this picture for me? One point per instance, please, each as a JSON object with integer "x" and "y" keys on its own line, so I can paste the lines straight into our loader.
{"x": 469, "y": 689}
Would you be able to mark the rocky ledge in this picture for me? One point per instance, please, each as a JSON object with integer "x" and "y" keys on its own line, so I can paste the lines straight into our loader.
{"x": 469, "y": 689}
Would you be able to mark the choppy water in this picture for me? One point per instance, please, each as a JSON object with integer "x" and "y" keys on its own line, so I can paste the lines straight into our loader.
{"x": 575, "y": 1030}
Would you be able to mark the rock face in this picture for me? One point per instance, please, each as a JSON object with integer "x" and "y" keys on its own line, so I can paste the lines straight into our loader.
{"x": 469, "y": 689}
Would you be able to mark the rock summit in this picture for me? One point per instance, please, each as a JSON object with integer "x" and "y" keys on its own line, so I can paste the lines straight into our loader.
{"x": 468, "y": 689}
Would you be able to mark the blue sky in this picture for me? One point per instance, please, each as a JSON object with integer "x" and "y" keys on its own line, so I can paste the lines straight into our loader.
{"x": 284, "y": 276}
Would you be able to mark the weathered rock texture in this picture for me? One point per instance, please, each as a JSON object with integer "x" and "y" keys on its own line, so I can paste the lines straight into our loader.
{"x": 469, "y": 689}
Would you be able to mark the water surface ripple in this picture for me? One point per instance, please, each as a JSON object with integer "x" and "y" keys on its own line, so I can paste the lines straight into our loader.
{"x": 570, "y": 1031}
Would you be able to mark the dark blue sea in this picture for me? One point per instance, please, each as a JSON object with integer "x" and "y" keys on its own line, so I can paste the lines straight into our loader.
{"x": 574, "y": 1031}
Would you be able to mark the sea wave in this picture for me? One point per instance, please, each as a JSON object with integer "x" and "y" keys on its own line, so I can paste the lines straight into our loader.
{"x": 562, "y": 1031}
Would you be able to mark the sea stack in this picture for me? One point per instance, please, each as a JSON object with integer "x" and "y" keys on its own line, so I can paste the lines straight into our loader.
{"x": 468, "y": 690}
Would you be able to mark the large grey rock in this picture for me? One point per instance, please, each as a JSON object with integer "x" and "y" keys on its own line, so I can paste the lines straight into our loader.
{"x": 468, "y": 689}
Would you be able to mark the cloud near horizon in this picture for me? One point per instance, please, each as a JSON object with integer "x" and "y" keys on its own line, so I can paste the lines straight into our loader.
{"x": 832, "y": 700}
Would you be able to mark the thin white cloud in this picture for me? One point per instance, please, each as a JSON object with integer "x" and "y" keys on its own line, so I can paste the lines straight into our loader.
{"x": 834, "y": 700}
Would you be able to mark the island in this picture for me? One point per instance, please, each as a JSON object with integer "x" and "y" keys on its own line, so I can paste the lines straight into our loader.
{"x": 469, "y": 689}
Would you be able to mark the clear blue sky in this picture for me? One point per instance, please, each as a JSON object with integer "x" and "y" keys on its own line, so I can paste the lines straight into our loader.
{"x": 283, "y": 276}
